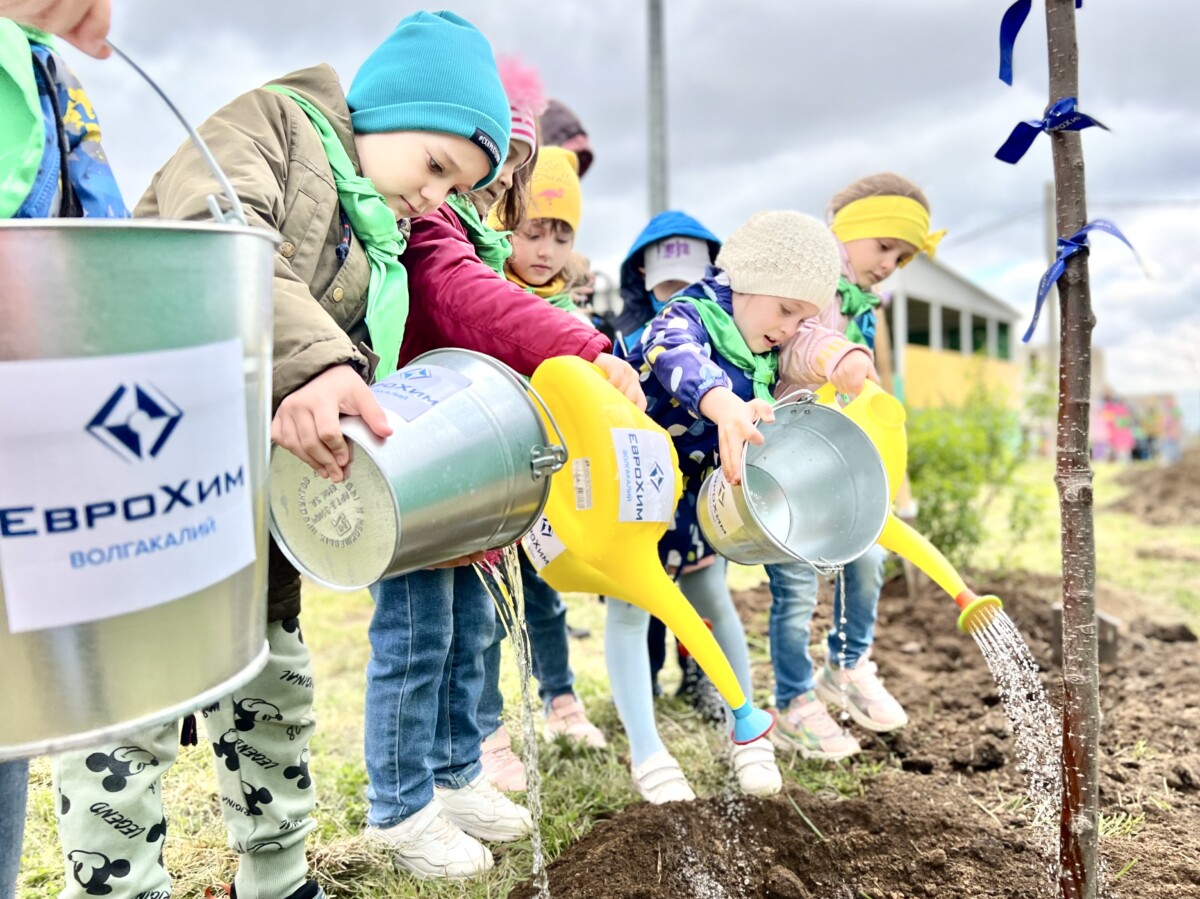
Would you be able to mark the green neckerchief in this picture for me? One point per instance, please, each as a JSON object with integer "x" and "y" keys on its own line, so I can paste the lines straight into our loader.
{"x": 728, "y": 340}
{"x": 23, "y": 135}
{"x": 375, "y": 227}
{"x": 492, "y": 247}
{"x": 856, "y": 301}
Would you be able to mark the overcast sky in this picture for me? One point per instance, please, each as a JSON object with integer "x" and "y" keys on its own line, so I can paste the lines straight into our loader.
{"x": 779, "y": 104}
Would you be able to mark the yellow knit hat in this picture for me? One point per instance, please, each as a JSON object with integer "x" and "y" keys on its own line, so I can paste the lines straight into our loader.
{"x": 554, "y": 189}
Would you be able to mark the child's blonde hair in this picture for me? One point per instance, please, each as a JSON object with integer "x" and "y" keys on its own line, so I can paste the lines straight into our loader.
{"x": 885, "y": 184}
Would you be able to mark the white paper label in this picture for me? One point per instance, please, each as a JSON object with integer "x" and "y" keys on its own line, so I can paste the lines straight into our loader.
{"x": 126, "y": 482}
{"x": 542, "y": 544}
{"x": 647, "y": 479}
{"x": 581, "y": 474}
{"x": 722, "y": 509}
{"x": 414, "y": 390}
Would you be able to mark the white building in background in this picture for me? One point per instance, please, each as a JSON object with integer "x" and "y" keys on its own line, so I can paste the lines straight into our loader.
{"x": 949, "y": 334}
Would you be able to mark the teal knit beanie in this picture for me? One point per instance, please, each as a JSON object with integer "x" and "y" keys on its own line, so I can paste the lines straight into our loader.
{"x": 435, "y": 72}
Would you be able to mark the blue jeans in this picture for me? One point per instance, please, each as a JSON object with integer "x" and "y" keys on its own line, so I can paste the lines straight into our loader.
{"x": 793, "y": 599}
{"x": 424, "y": 679}
{"x": 14, "y": 781}
{"x": 546, "y": 621}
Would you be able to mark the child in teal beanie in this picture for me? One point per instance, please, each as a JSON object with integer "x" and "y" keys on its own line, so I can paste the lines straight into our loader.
{"x": 435, "y": 73}
{"x": 337, "y": 176}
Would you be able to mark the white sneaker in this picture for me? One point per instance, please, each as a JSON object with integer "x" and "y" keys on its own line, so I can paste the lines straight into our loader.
{"x": 484, "y": 812}
{"x": 659, "y": 779}
{"x": 428, "y": 845}
{"x": 754, "y": 765}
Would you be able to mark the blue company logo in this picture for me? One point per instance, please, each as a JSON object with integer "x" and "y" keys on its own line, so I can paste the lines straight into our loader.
{"x": 416, "y": 374}
{"x": 545, "y": 528}
{"x": 135, "y": 421}
{"x": 656, "y": 477}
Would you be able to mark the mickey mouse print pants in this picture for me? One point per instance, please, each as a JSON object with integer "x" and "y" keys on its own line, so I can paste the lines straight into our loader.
{"x": 110, "y": 811}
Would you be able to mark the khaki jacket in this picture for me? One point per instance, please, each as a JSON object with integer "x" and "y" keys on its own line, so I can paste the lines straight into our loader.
{"x": 272, "y": 155}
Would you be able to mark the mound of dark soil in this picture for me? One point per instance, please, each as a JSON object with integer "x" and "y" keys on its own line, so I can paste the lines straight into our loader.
{"x": 944, "y": 818}
{"x": 1164, "y": 495}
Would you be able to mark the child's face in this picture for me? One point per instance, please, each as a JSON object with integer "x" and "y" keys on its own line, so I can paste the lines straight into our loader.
{"x": 541, "y": 249}
{"x": 874, "y": 258}
{"x": 667, "y": 289}
{"x": 766, "y": 322}
{"x": 519, "y": 154}
{"x": 415, "y": 170}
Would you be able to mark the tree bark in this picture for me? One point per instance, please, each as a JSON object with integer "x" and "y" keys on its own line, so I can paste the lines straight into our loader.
{"x": 1079, "y": 823}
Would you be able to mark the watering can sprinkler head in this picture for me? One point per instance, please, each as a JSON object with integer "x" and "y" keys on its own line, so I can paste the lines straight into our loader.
{"x": 749, "y": 723}
{"x": 977, "y": 611}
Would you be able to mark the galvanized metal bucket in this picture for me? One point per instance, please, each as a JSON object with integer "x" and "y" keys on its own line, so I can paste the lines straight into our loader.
{"x": 135, "y": 361}
{"x": 467, "y": 469}
{"x": 814, "y": 492}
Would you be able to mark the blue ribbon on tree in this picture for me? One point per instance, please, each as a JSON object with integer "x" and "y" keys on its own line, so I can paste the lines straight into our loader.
{"x": 1068, "y": 247}
{"x": 1010, "y": 27}
{"x": 1064, "y": 115}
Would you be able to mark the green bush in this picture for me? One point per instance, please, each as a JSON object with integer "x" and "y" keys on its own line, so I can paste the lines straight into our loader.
{"x": 959, "y": 460}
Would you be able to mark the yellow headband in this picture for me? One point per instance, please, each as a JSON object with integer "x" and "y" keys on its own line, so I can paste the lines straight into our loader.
{"x": 900, "y": 218}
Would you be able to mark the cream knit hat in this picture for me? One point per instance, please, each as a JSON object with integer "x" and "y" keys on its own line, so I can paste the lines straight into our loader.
{"x": 783, "y": 254}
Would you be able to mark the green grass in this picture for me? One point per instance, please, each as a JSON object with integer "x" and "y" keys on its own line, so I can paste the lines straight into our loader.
{"x": 579, "y": 788}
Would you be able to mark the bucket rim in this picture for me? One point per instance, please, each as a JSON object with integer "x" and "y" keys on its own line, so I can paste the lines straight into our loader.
{"x": 138, "y": 224}
{"x": 820, "y": 565}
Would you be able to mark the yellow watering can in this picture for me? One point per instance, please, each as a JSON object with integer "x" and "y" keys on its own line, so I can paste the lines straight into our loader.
{"x": 882, "y": 417}
{"x": 607, "y": 511}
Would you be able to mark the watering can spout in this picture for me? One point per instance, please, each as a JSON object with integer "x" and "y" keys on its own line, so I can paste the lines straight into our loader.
{"x": 750, "y": 724}
{"x": 882, "y": 417}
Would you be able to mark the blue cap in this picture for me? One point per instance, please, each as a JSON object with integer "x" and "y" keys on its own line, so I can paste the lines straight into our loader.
{"x": 435, "y": 72}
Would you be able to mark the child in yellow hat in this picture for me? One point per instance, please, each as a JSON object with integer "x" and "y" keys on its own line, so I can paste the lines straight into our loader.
{"x": 542, "y": 245}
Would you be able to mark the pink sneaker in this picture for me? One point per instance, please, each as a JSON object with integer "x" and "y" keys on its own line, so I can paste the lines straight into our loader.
{"x": 866, "y": 698}
{"x": 807, "y": 727}
{"x": 567, "y": 718}
{"x": 504, "y": 769}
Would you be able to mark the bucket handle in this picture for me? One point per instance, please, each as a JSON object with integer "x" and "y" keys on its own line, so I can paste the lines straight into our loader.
{"x": 236, "y": 214}
{"x": 799, "y": 395}
{"x": 544, "y": 460}
{"x": 547, "y": 459}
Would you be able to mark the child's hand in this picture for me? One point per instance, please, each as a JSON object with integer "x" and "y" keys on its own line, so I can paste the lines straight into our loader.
{"x": 735, "y": 420}
{"x": 623, "y": 377}
{"x": 308, "y": 425}
{"x": 852, "y": 372}
{"x": 84, "y": 23}
{"x": 461, "y": 561}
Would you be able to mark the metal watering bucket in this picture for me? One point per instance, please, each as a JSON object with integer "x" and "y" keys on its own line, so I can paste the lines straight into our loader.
{"x": 135, "y": 361}
{"x": 467, "y": 469}
{"x": 814, "y": 492}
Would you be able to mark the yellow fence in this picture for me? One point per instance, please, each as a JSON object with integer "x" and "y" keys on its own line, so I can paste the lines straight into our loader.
{"x": 946, "y": 377}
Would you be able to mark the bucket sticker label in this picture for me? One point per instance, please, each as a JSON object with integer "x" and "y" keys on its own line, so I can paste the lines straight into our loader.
{"x": 414, "y": 390}
{"x": 581, "y": 473}
{"x": 128, "y": 482}
{"x": 646, "y": 475}
{"x": 542, "y": 544}
{"x": 722, "y": 510}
